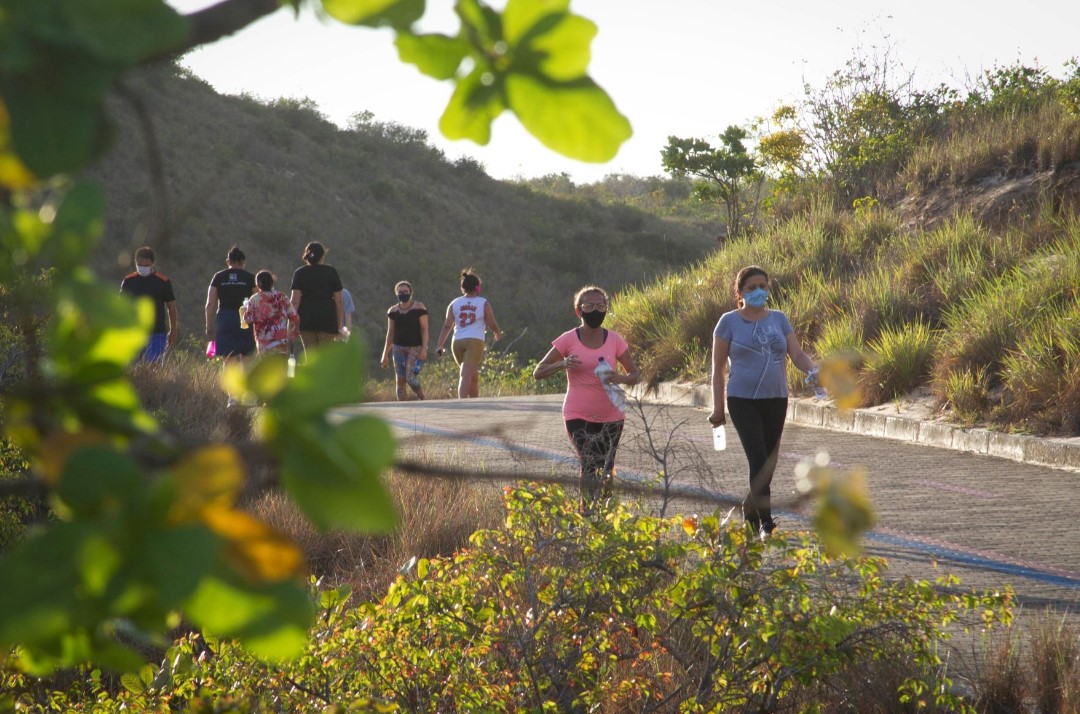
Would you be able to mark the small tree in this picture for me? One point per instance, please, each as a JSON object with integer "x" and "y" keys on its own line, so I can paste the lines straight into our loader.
{"x": 726, "y": 171}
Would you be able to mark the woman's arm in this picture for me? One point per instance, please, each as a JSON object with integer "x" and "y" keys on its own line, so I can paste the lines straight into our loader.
{"x": 211, "y": 308}
{"x": 489, "y": 319}
{"x": 720, "y": 349}
{"x": 799, "y": 358}
{"x": 632, "y": 373}
{"x": 294, "y": 297}
{"x": 385, "y": 361}
{"x": 447, "y": 326}
{"x": 553, "y": 361}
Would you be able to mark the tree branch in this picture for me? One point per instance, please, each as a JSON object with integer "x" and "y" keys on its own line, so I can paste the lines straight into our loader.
{"x": 217, "y": 21}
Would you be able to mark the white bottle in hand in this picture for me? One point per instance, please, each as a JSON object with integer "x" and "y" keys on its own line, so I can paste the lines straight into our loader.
{"x": 719, "y": 438}
{"x": 614, "y": 391}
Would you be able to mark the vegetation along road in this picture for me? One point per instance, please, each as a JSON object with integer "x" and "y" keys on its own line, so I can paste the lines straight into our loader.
{"x": 988, "y": 520}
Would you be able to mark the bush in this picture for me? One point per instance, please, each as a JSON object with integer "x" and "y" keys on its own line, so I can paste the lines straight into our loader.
{"x": 553, "y": 612}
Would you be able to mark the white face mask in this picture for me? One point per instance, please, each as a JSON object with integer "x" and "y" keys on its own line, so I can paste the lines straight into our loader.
{"x": 144, "y": 270}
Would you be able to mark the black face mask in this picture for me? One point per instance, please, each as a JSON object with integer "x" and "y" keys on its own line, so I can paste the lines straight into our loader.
{"x": 594, "y": 319}
{"x": 404, "y": 297}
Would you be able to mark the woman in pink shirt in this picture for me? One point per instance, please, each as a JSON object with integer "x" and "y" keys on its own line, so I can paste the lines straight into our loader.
{"x": 593, "y": 422}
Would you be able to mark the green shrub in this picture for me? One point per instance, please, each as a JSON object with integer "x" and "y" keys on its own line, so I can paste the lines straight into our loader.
{"x": 555, "y": 612}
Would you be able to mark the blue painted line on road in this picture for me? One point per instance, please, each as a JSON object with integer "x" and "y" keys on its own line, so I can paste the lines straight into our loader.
{"x": 939, "y": 551}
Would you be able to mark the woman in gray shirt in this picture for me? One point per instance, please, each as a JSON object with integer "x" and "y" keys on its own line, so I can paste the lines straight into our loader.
{"x": 754, "y": 343}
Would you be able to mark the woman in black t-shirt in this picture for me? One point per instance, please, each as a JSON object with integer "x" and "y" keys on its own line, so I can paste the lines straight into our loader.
{"x": 316, "y": 294}
{"x": 406, "y": 339}
{"x": 227, "y": 292}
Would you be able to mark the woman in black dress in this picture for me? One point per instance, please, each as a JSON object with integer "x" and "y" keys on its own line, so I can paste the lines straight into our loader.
{"x": 316, "y": 295}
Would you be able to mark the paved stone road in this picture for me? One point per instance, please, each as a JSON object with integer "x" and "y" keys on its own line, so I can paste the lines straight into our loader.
{"x": 986, "y": 519}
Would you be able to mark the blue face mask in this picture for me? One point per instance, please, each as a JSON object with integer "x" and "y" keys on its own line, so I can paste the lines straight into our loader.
{"x": 756, "y": 297}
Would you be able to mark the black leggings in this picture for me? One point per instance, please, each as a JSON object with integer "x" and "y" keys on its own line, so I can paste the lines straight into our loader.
{"x": 759, "y": 423}
{"x": 595, "y": 444}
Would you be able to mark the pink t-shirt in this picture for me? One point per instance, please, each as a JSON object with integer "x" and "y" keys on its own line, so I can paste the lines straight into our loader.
{"x": 585, "y": 396}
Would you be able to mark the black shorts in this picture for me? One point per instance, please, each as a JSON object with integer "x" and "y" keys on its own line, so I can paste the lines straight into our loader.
{"x": 229, "y": 339}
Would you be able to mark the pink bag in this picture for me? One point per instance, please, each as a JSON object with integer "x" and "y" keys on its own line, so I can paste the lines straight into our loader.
{"x": 211, "y": 349}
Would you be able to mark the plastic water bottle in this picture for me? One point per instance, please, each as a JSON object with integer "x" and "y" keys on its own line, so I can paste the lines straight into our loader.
{"x": 719, "y": 438}
{"x": 614, "y": 391}
{"x": 812, "y": 379}
{"x": 417, "y": 366}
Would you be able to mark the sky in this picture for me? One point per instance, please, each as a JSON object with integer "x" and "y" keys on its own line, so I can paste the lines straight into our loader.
{"x": 687, "y": 68}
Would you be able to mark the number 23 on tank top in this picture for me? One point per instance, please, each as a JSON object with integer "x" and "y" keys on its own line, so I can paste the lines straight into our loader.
{"x": 466, "y": 316}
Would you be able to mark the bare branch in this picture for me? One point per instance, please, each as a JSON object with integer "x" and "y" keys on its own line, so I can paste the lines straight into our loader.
{"x": 217, "y": 21}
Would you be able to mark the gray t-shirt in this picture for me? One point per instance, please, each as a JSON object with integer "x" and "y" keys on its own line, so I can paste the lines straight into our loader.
{"x": 756, "y": 354}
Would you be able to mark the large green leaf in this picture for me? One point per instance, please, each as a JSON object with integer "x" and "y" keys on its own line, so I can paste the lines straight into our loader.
{"x": 437, "y": 56}
{"x": 333, "y": 375}
{"x": 271, "y": 620}
{"x": 79, "y": 222}
{"x": 123, "y": 31}
{"x": 333, "y": 472}
{"x": 520, "y": 16}
{"x": 559, "y": 47}
{"x": 56, "y": 112}
{"x": 400, "y": 14}
{"x": 176, "y": 559}
{"x": 577, "y": 119}
{"x": 41, "y": 579}
{"x": 473, "y": 106}
{"x": 97, "y": 479}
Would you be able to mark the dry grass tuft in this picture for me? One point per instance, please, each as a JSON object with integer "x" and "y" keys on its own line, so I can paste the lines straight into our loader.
{"x": 183, "y": 392}
{"x": 435, "y": 518}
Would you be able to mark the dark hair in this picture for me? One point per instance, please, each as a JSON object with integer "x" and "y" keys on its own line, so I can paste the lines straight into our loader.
{"x": 590, "y": 289}
{"x": 144, "y": 252}
{"x": 236, "y": 255}
{"x": 313, "y": 252}
{"x": 469, "y": 280}
{"x": 744, "y": 275}
{"x": 265, "y": 280}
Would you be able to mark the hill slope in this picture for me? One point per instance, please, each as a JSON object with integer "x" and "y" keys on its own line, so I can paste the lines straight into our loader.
{"x": 270, "y": 177}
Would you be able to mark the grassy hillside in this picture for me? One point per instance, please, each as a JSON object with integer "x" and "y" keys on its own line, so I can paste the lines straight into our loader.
{"x": 271, "y": 176}
{"x": 959, "y": 272}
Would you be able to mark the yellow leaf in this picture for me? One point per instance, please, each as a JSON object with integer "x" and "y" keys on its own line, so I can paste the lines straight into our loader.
{"x": 690, "y": 525}
{"x": 58, "y": 447}
{"x": 13, "y": 172}
{"x": 209, "y": 477}
{"x": 840, "y": 377}
{"x": 256, "y": 550}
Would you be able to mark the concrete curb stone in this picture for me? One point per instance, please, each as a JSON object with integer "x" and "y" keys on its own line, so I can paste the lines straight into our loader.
{"x": 1044, "y": 451}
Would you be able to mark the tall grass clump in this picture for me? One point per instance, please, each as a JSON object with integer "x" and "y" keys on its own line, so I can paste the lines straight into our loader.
{"x": 880, "y": 298}
{"x": 967, "y": 393}
{"x": 897, "y": 360}
{"x": 435, "y": 518}
{"x": 1042, "y": 370}
{"x": 978, "y": 144}
{"x": 183, "y": 392}
{"x": 1055, "y": 664}
{"x": 1022, "y": 329}
{"x": 1001, "y": 682}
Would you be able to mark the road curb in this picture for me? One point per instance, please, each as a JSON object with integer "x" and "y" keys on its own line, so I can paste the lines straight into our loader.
{"x": 1043, "y": 451}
